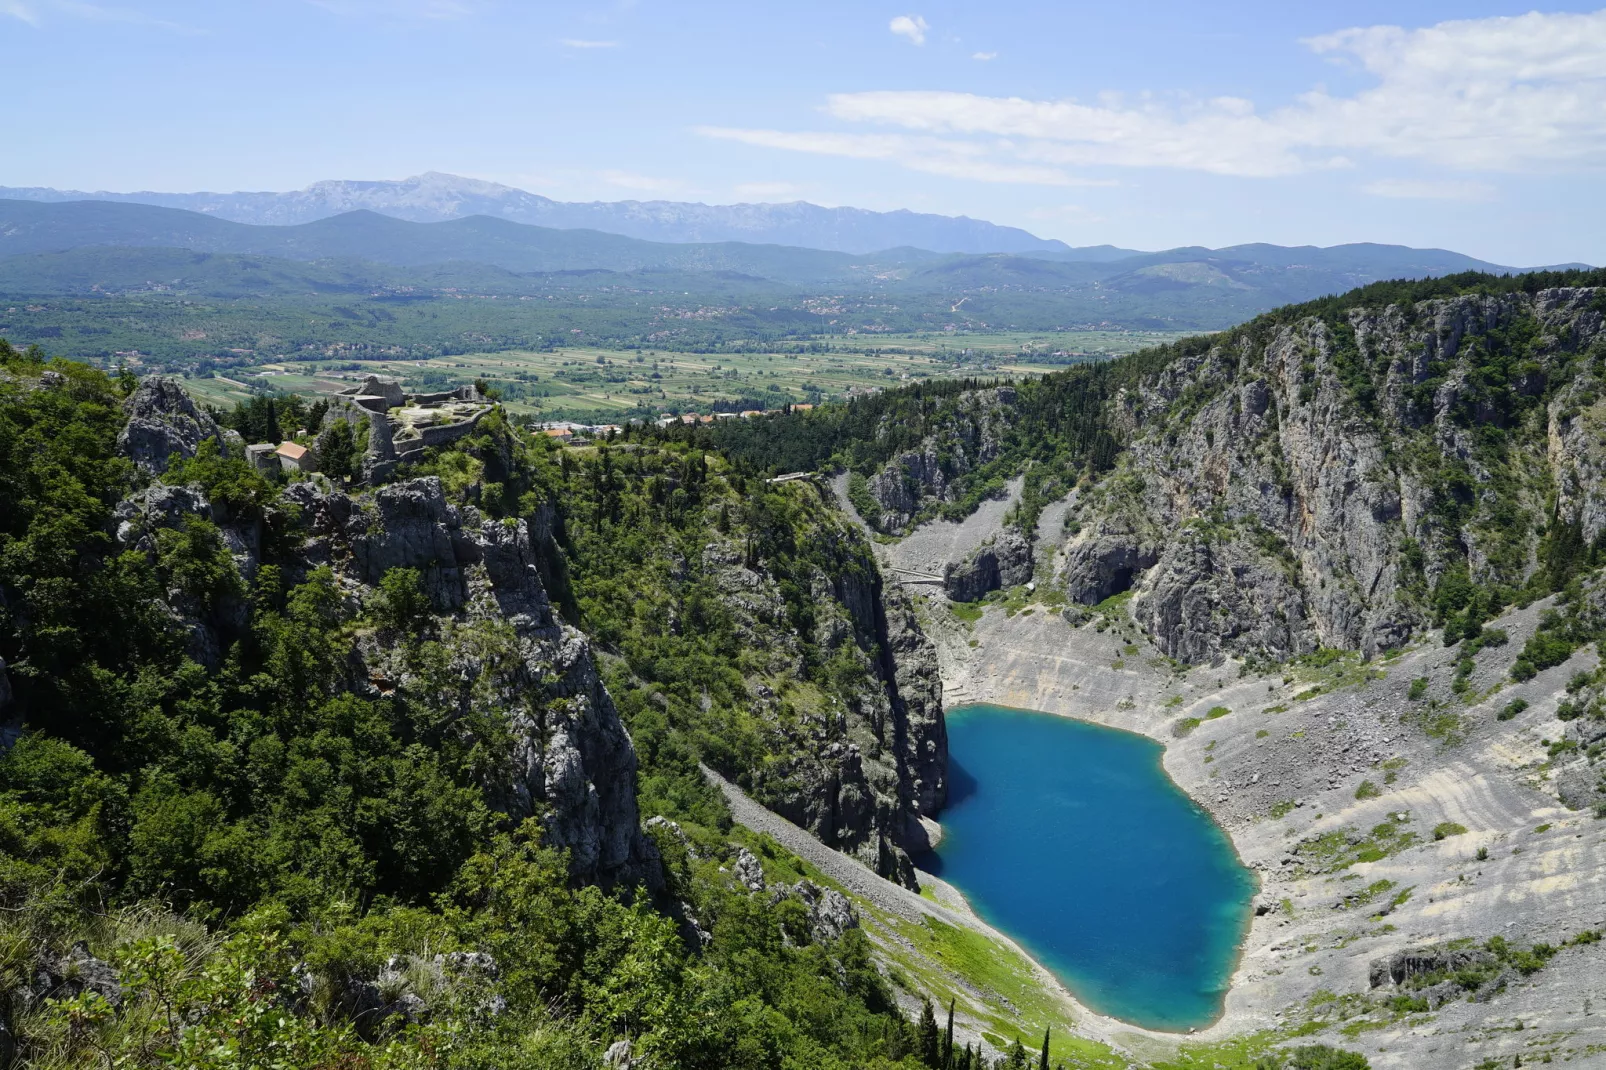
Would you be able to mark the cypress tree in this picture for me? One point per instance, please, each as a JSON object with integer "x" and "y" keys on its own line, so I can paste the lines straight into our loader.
{"x": 948, "y": 1040}
{"x": 930, "y": 1048}
{"x": 1042, "y": 1062}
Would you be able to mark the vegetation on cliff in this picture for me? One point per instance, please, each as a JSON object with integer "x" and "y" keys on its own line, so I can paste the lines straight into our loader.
{"x": 240, "y": 855}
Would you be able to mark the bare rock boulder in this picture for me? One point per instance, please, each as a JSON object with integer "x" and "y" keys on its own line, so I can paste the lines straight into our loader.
{"x": 163, "y": 424}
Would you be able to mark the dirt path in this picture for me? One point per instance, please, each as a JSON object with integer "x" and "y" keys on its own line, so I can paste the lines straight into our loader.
{"x": 849, "y": 873}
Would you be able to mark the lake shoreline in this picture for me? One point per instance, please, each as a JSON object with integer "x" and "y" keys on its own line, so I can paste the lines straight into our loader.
{"x": 1165, "y": 879}
{"x": 1287, "y": 768}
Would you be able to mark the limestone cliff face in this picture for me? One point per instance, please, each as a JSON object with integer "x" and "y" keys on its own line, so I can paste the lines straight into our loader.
{"x": 1307, "y": 484}
{"x": 916, "y": 479}
{"x": 859, "y": 761}
{"x": 1003, "y": 561}
{"x": 569, "y": 760}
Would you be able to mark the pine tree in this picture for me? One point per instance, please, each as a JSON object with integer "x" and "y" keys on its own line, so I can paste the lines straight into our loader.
{"x": 930, "y": 1047}
{"x": 1017, "y": 1056}
{"x": 1042, "y": 1062}
{"x": 948, "y": 1040}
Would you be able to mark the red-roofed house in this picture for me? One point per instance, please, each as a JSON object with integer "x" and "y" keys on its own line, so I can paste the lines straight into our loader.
{"x": 294, "y": 457}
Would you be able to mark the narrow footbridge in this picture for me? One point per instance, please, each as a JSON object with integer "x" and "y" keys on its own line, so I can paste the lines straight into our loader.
{"x": 909, "y": 575}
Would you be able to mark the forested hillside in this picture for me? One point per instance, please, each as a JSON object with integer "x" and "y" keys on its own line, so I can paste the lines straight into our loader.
{"x": 305, "y": 777}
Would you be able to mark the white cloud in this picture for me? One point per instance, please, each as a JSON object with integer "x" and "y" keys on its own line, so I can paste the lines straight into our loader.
{"x": 1222, "y": 135}
{"x": 572, "y": 42}
{"x": 936, "y": 156}
{"x": 984, "y": 56}
{"x": 1427, "y": 190}
{"x": 1523, "y": 93}
{"x": 18, "y": 10}
{"x": 911, "y": 26}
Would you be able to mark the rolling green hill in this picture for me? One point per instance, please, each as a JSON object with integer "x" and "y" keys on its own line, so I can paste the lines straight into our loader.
{"x": 95, "y": 279}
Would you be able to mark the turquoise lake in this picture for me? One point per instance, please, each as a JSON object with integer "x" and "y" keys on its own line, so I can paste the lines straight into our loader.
{"x": 1070, "y": 838}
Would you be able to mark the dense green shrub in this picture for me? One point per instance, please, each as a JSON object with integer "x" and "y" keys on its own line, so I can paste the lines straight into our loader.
{"x": 308, "y": 820}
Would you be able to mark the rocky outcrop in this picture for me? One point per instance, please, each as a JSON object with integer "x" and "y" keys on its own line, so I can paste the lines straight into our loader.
{"x": 830, "y": 912}
{"x": 1578, "y": 767}
{"x": 1405, "y": 966}
{"x": 141, "y": 515}
{"x": 572, "y": 762}
{"x": 1577, "y": 455}
{"x": 749, "y": 870}
{"x": 1206, "y": 594}
{"x": 1106, "y": 561}
{"x": 55, "y": 976}
{"x": 209, "y": 621}
{"x": 411, "y": 525}
{"x": 916, "y": 691}
{"x": 860, "y": 772}
{"x": 411, "y": 989}
{"x": 1306, "y": 483}
{"x": 163, "y": 424}
{"x": 1001, "y": 562}
{"x": 966, "y": 439}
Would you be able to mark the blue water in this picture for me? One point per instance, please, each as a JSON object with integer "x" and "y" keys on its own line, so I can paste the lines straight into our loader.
{"x": 1070, "y": 838}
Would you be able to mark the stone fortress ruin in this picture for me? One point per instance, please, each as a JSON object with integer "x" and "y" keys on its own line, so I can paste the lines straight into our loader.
{"x": 395, "y": 425}
{"x": 400, "y": 425}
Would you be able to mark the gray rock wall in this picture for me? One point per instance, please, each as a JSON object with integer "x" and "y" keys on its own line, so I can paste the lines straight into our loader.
{"x": 1002, "y": 562}
{"x": 860, "y": 773}
{"x": 910, "y": 482}
{"x": 1261, "y": 509}
{"x": 163, "y": 425}
{"x": 571, "y": 764}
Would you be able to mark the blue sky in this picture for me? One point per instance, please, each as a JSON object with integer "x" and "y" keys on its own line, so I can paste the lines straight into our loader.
{"x": 1478, "y": 126}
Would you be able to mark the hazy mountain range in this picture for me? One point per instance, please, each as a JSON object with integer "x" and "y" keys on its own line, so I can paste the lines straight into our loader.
{"x": 173, "y": 269}
{"x": 436, "y": 197}
{"x": 1284, "y": 274}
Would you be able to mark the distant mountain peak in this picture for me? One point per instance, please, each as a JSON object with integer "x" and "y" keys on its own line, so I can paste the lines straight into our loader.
{"x": 436, "y": 196}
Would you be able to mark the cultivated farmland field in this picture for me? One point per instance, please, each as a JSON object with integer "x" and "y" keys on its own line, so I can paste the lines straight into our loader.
{"x": 595, "y": 384}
